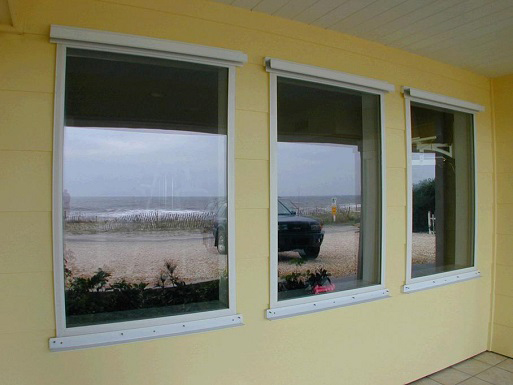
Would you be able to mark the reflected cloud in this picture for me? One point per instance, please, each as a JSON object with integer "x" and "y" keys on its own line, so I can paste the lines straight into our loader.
{"x": 105, "y": 162}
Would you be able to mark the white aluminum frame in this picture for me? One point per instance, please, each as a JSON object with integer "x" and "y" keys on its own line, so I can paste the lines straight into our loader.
{"x": 112, "y": 333}
{"x": 305, "y": 305}
{"x": 442, "y": 101}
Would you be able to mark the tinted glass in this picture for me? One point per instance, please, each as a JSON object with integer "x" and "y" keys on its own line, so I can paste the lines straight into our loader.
{"x": 329, "y": 179}
{"x": 145, "y": 159}
{"x": 443, "y": 190}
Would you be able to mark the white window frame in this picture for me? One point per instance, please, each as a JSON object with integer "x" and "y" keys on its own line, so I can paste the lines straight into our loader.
{"x": 430, "y": 99}
{"x": 292, "y": 307}
{"x": 122, "y": 332}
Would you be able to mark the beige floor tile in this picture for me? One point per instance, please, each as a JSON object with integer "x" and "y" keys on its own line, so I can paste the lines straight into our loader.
{"x": 474, "y": 381}
{"x": 472, "y": 366}
{"x": 506, "y": 365}
{"x": 449, "y": 376}
{"x": 490, "y": 358}
{"x": 496, "y": 376}
{"x": 424, "y": 381}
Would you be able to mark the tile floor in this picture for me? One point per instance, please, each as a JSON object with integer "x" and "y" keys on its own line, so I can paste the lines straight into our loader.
{"x": 484, "y": 369}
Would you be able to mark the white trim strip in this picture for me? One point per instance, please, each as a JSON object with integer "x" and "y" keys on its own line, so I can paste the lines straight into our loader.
{"x": 409, "y": 191}
{"x": 430, "y": 283}
{"x": 383, "y": 186}
{"x": 287, "y": 68}
{"x": 441, "y": 100}
{"x": 313, "y": 307}
{"x": 57, "y": 172}
{"x": 273, "y": 189}
{"x": 70, "y": 35}
{"x": 230, "y": 169}
{"x": 476, "y": 189}
{"x": 140, "y": 334}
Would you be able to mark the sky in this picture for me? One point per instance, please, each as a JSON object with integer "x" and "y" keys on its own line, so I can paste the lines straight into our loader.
{"x": 306, "y": 169}
{"x": 128, "y": 162}
{"x": 423, "y": 167}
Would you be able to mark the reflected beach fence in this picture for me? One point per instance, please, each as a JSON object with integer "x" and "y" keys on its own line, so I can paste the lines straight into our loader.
{"x": 345, "y": 212}
{"x": 128, "y": 214}
{"x": 146, "y": 220}
{"x": 312, "y": 211}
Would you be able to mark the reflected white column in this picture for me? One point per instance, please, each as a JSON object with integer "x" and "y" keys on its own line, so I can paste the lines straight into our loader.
{"x": 463, "y": 234}
{"x": 369, "y": 268}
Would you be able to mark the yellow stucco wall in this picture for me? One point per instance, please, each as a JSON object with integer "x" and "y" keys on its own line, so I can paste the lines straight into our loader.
{"x": 502, "y": 339}
{"x": 391, "y": 341}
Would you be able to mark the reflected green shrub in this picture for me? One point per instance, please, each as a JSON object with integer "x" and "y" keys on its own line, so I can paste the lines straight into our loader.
{"x": 423, "y": 202}
{"x": 304, "y": 280}
{"x": 93, "y": 294}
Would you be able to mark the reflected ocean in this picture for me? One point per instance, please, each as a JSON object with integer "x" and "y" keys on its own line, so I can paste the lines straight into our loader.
{"x": 112, "y": 207}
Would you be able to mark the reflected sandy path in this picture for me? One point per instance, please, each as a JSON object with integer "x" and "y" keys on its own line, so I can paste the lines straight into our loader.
{"x": 140, "y": 256}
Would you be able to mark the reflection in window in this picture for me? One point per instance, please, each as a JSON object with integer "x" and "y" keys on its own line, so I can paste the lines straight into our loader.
{"x": 442, "y": 190}
{"x": 145, "y": 190}
{"x": 329, "y": 188}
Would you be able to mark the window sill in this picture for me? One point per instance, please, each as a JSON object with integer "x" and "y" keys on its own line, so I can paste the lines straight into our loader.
{"x": 442, "y": 281}
{"x": 140, "y": 334}
{"x": 332, "y": 303}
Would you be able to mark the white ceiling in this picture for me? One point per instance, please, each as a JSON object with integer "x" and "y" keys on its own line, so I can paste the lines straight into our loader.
{"x": 473, "y": 34}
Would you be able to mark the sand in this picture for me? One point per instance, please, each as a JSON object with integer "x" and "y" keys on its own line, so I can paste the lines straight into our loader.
{"x": 140, "y": 257}
{"x": 423, "y": 248}
{"x": 339, "y": 251}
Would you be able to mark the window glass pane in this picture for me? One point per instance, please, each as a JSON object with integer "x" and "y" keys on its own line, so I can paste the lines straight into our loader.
{"x": 329, "y": 189}
{"x": 443, "y": 190}
{"x": 145, "y": 188}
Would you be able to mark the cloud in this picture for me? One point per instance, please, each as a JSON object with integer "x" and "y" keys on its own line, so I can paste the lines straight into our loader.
{"x": 316, "y": 169}
{"x": 103, "y": 162}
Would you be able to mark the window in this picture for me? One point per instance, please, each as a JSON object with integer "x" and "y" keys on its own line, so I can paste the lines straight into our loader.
{"x": 442, "y": 190}
{"x": 143, "y": 224}
{"x": 326, "y": 189}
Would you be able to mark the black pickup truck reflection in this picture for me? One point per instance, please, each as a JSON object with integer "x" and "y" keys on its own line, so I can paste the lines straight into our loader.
{"x": 302, "y": 234}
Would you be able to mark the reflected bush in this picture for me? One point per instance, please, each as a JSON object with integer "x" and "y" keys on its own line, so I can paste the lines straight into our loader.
{"x": 167, "y": 275}
{"x": 292, "y": 281}
{"x": 423, "y": 202}
{"x": 306, "y": 280}
{"x": 94, "y": 294}
{"x": 319, "y": 277}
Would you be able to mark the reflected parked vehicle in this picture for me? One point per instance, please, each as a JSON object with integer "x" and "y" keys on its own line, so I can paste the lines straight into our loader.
{"x": 298, "y": 233}
{"x": 220, "y": 229}
{"x": 295, "y": 233}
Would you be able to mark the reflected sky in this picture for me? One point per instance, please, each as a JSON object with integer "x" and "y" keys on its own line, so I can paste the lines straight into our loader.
{"x": 313, "y": 169}
{"x": 128, "y": 162}
{"x": 423, "y": 166}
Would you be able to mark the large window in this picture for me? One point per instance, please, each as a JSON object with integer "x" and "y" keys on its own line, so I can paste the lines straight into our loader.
{"x": 146, "y": 212}
{"x": 442, "y": 191}
{"x": 327, "y": 203}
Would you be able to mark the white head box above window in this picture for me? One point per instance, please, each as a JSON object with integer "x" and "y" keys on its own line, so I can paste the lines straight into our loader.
{"x": 443, "y": 101}
{"x": 145, "y": 46}
{"x": 326, "y": 76}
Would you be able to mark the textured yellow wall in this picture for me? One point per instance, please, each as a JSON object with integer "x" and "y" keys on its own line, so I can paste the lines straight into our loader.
{"x": 391, "y": 341}
{"x": 502, "y": 339}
